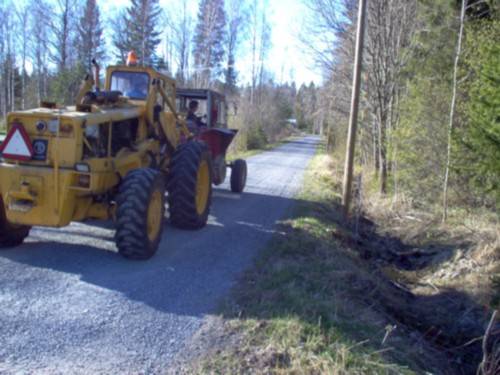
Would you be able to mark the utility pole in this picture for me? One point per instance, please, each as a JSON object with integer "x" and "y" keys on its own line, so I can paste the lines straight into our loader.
{"x": 353, "y": 119}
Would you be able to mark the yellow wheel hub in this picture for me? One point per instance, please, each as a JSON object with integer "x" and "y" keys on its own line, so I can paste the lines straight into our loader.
{"x": 154, "y": 215}
{"x": 202, "y": 187}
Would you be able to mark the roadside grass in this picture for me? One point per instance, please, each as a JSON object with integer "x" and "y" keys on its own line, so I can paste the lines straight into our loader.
{"x": 309, "y": 304}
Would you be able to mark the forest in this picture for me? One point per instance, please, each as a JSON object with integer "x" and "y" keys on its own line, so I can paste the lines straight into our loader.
{"x": 46, "y": 48}
{"x": 406, "y": 138}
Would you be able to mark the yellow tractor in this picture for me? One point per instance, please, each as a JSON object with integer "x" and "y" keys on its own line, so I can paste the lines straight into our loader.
{"x": 113, "y": 155}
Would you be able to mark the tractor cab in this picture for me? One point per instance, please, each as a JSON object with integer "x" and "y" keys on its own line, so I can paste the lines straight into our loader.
{"x": 212, "y": 108}
{"x": 134, "y": 82}
{"x": 205, "y": 112}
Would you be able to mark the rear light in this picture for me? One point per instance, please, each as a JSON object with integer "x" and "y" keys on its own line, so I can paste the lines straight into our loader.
{"x": 84, "y": 180}
{"x": 53, "y": 126}
{"x": 66, "y": 129}
{"x": 82, "y": 167}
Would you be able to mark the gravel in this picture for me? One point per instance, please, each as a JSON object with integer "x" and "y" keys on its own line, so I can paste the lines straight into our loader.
{"x": 70, "y": 304}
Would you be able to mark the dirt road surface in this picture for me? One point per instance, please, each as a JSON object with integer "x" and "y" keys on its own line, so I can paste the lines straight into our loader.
{"x": 70, "y": 304}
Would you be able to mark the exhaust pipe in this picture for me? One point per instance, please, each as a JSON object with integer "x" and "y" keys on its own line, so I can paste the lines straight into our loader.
{"x": 96, "y": 74}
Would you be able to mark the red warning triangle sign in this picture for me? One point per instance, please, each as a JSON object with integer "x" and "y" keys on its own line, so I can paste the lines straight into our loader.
{"x": 17, "y": 144}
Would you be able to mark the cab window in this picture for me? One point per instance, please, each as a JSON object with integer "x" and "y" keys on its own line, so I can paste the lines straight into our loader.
{"x": 132, "y": 84}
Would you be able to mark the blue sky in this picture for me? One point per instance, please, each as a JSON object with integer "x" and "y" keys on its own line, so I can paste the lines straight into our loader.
{"x": 286, "y": 60}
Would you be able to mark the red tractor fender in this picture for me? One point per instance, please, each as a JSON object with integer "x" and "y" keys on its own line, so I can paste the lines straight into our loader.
{"x": 217, "y": 140}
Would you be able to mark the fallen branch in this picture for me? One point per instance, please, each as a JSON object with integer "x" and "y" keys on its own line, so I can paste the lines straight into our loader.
{"x": 490, "y": 363}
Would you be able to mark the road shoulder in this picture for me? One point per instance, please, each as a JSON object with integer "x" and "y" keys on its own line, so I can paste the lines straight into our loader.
{"x": 308, "y": 305}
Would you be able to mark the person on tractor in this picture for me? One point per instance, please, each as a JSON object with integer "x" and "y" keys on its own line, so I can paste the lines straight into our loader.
{"x": 194, "y": 122}
{"x": 136, "y": 87}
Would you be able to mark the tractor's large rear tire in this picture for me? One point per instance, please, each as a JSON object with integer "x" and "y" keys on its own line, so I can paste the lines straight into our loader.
{"x": 140, "y": 213}
{"x": 10, "y": 234}
{"x": 190, "y": 186}
{"x": 238, "y": 175}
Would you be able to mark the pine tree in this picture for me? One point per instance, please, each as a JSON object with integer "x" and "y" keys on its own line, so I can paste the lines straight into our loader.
{"x": 90, "y": 42}
{"x": 478, "y": 139}
{"x": 121, "y": 35}
{"x": 138, "y": 29}
{"x": 230, "y": 74}
{"x": 209, "y": 41}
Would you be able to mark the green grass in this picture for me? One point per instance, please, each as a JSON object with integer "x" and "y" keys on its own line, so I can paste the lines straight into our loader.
{"x": 306, "y": 306}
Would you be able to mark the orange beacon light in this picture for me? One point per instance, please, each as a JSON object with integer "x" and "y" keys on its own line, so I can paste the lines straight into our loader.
{"x": 131, "y": 59}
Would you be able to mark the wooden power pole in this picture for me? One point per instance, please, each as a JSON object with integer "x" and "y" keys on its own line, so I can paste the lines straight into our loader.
{"x": 353, "y": 119}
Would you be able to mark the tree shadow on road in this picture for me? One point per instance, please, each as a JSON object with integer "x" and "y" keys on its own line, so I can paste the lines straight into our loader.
{"x": 191, "y": 269}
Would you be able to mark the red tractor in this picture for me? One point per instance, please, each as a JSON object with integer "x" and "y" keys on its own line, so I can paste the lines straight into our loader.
{"x": 206, "y": 117}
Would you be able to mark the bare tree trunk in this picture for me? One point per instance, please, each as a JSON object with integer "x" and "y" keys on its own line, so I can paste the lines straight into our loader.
{"x": 452, "y": 113}
{"x": 383, "y": 154}
{"x": 254, "y": 50}
{"x": 376, "y": 151}
{"x": 23, "y": 18}
{"x": 264, "y": 47}
{"x": 12, "y": 86}
{"x": 390, "y": 26}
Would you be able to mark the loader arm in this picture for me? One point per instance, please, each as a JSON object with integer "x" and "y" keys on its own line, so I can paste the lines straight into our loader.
{"x": 166, "y": 125}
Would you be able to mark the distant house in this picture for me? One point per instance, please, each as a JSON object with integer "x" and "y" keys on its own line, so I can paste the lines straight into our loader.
{"x": 291, "y": 122}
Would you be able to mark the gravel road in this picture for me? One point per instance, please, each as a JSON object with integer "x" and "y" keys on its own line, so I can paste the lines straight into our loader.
{"x": 70, "y": 304}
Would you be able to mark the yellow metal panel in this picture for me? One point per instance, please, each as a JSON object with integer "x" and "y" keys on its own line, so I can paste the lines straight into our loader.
{"x": 48, "y": 208}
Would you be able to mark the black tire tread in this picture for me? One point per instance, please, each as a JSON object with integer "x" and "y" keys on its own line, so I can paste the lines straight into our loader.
{"x": 182, "y": 186}
{"x": 238, "y": 175}
{"x": 11, "y": 235}
{"x": 132, "y": 203}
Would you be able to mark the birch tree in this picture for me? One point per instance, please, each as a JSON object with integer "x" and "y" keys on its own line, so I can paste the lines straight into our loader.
{"x": 23, "y": 14}
{"x": 452, "y": 111}
{"x": 389, "y": 31}
{"x": 62, "y": 26}
{"x": 39, "y": 49}
{"x": 329, "y": 38}
{"x": 180, "y": 24}
{"x": 7, "y": 58}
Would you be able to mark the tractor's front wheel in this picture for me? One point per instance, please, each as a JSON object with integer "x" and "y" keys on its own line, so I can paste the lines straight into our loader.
{"x": 190, "y": 186}
{"x": 10, "y": 234}
{"x": 139, "y": 213}
{"x": 238, "y": 175}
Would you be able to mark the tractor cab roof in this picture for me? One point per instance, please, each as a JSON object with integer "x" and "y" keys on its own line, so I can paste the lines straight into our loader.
{"x": 198, "y": 93}
{"x": 138, "y": 69}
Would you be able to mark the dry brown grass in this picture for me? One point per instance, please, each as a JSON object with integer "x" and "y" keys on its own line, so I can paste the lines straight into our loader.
{"x": 466, "y": 247}
{"x": 312, "y": 306}
{"x": 451, "y": 268}
{"x": 394, "y": 292}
